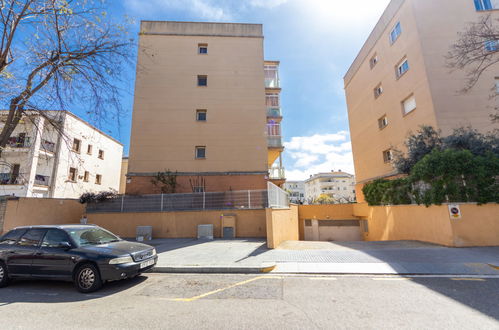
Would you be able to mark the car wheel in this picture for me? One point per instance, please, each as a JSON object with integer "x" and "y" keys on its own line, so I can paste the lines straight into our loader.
{"x": 4, "y": 276}
{"x": 87, "y": 278}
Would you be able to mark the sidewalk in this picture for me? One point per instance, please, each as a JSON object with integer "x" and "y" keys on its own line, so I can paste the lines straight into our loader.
{"x": 252, "y": 256}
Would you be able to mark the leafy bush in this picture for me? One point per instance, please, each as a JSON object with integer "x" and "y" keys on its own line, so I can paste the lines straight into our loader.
{"x": 95, "y": 198}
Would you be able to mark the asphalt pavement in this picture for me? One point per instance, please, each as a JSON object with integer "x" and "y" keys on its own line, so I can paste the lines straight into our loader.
{"x": 228, "y": 301}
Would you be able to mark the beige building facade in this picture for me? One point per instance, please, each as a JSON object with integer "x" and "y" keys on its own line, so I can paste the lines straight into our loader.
{"x": 200, "y": 108}
{"x": 338, "y": 185}
{"x": 400, "y": 80}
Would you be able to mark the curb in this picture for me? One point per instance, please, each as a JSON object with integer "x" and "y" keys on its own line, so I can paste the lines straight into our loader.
{"x": 264, "y": 268}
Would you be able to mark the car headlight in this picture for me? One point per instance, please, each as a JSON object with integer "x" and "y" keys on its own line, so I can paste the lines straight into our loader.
{"x": 153, "y": 252}
{"x": 121, "y": 260}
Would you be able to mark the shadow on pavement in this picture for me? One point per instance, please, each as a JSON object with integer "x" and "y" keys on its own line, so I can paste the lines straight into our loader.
{"x": 41, "y": 291}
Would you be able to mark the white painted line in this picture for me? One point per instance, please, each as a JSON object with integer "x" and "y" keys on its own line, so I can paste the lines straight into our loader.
{"x": 391, "y": 278}
{"x": 323, "y": 278}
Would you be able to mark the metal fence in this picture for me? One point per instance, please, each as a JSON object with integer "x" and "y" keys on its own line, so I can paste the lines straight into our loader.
{"x": 243, "y": 199}
{"x": 278, "y": 198}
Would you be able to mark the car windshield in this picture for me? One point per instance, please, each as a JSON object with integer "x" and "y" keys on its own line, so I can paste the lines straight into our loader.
{"x": 91, "y": 236}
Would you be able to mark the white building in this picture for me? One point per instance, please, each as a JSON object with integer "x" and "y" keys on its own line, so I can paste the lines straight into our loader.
{"x": 340, "y": 186}
{"x": 56, "y": 154}
{"x": 296, "y": 191}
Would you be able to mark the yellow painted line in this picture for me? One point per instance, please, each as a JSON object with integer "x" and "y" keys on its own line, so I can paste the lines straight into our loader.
{"x": 467, "y": 279}
{"x": 494, "y": 266}
{"x": 267, "y": 269}
{"x": 220, "y": 290}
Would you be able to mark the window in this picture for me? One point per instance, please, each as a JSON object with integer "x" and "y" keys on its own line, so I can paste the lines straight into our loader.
{"x": 202, "y": 80}
{"x": 89, "y": 149}
{"x": 373, "y": 61}
{"x": 12, "y": 236}
{"x": 378, "y": 90}
{"x": 98, "y": 179}
{"x": 76, "y": 145}
{"x": 396, "y": 31}
{"x": 202, "y": 48}
{"x": 198, "y": 189}
{"x": 86, "y": 176}
{"x": 387, "y": 156}
{"x": 54, "y": 238}
{"x": 491, "y": 45}
{"x": 200, "y": 152}
{"x": 72, "y": 174}
{"x": 402, "y": 68}
{"x": 201, "y": 115}
{"x": 409, "y": 104}
{"x": 101, "y": 154}
{"x": 486, "y": 4}
{"x": 383, "y": 122}
{"x": 31, "y": 238}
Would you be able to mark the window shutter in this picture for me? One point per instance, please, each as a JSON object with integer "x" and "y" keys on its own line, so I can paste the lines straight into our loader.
{"x": 409, "y": 104}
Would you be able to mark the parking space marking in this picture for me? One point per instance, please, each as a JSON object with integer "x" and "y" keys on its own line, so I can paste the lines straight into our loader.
{"x": 467, "y": 279}
{"x": 391, "y": 278}
{"x": 220, "y": 290}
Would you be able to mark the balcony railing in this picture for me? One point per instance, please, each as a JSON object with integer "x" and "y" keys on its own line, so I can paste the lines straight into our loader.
{"x": 47, "y": 146}
{"x": 274, "y": 112}
{"x": 277, "y": 173}
{"x": 273, "y": 129}
{"x": 271, "y": 76}
{"x": 9, "y": 178}
{"x": 42, "y": 180}
{"x": 17, "y": 142}
{"x": 274, "y": 141}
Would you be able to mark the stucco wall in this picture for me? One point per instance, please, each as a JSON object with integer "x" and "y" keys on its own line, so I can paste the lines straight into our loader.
{"x": 249, "y": 223}
{"x": 282, "y": 225}
{"x": 41, "y": 211}
{"x": 479, "y": 225}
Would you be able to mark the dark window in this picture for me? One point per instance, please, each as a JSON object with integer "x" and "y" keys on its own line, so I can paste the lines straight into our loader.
{"x": 203, "y": 48}
{"x": 202, "y": 80}
{"x": 201, "y": 115}
{"x": 12, "y": 236}
{"x": 98, "y": 179}
{"x": 76, "y": 145}
{"x": 101, "y": 154}
{"x": 54, "y": 238}
{"x": 32, "y": 237}
{"x": 200, "y": 152}
{"x": 89, "y": 149}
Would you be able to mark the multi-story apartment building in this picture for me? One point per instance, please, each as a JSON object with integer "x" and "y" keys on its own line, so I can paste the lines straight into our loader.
{"x": 296, "y": 190}
{"x": 340, "y": 186}
{"x": 400, "y": 80}
{"x": 58, "y": 155}
{"x": 206, "y": 108}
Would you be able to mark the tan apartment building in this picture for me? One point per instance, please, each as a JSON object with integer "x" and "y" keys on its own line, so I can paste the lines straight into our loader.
{"x": 400, "y": 80}
{"x": 206, "y": 106}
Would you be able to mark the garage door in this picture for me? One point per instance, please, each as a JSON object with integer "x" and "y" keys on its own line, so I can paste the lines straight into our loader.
{"x": 332, "y": 230}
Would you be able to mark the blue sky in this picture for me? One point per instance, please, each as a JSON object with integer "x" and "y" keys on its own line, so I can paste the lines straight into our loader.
{"x": 315, "y": 40}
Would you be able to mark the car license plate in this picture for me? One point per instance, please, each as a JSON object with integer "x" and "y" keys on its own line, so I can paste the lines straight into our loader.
{"x": 147, "y": 263}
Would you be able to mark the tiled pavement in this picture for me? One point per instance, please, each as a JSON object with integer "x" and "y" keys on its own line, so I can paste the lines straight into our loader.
{"x": 397, "y": 257}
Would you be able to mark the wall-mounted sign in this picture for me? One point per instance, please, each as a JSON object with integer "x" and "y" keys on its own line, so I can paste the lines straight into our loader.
{"x": 454, "y": 211}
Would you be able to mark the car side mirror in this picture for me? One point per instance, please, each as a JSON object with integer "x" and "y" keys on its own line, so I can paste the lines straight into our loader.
{"x": 65, "y": 245}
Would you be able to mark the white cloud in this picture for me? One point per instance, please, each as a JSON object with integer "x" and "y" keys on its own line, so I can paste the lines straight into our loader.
{"x": 204, "y": 9}
{"x": 267, "y": 3}
{"x": 318, "y": 153}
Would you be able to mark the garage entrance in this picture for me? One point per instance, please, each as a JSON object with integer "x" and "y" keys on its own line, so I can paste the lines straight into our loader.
{"x": 332, "y": 230}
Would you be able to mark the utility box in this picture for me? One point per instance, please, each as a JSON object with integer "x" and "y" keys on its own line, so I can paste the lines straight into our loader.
{"x": 205, "y": 231}
{"x": 228, "y": 226}
{"x": 143, "y": 233}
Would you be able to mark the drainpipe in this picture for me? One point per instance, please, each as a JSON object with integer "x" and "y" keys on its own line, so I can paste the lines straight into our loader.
{"x": 56, "y": 158}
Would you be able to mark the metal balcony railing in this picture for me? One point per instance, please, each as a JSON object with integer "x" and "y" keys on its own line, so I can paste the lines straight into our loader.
{"x": 9, "y": 178}
{"x": 17, "y": 142}
{"x": 273, "y": 129}
{"x": 274, "y": 141}
{"x": 274, "y": 112}
{"x": 42, "y": 180}
{"x": 277, "y": 173}
{"x": 47, "y": 146}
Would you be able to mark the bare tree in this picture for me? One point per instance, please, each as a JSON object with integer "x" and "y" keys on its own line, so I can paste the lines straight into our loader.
{"x": 57, "y": 53}
{"x": 476, "y": 51}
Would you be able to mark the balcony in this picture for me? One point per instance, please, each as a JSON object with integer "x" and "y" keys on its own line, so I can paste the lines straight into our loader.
{"x": 277, "y": 173}
{"x": 47, "y": 146}
{"x": 274, "y": 141}
{"x": 274, "y": 112}
{"x": 10, "y": 179}
{"x": 19, "y": 142}
{"x": 42, "y": 180}
{"x": 271, "y": 76}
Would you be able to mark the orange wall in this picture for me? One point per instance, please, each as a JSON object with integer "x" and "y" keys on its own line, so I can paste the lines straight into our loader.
{"x": 326, "y": 212}
{"x": 41, "y": 211}
{"x": 249, "y": 223}
{"x": 282, "y": 225}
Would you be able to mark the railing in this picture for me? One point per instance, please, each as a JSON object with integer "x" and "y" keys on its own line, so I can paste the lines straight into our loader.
{"x": 8, "y": 178}
{"x": 16, "y": 142}
{"x": 271, "y": 76}
{"x": 42, "y": 180}
{"x": 278, "y": 198}
{"x": 277, "y": 173}
{"x": 274, "y": 112}
{"x": 242, "y": 199}
{"x": 273, "y": 129}
{"x": 47, "y": 146}
{"x": 274, "y": 141}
